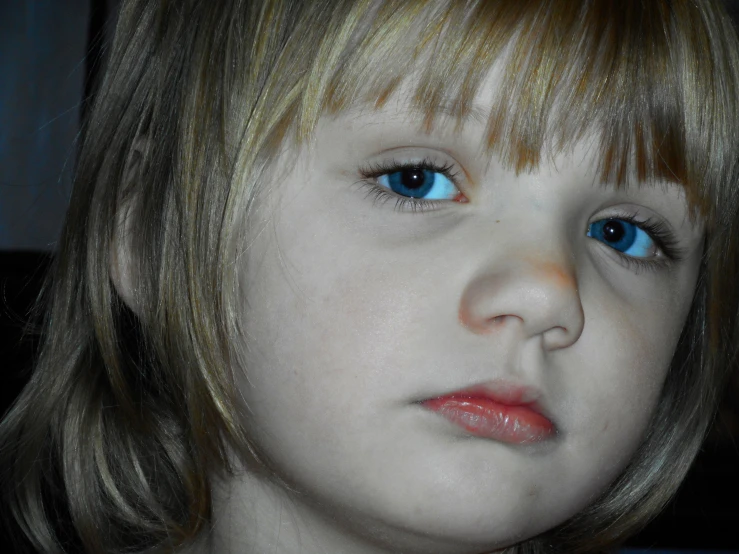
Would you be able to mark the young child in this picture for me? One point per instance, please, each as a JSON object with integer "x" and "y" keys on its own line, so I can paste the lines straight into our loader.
{"x": 387, "y": 276}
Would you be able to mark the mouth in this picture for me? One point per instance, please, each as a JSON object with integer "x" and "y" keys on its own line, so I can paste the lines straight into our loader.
{"x": 504, "y": 413}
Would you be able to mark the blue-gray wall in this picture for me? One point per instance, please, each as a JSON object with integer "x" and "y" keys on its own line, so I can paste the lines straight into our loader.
{"x": 42, "y": 68}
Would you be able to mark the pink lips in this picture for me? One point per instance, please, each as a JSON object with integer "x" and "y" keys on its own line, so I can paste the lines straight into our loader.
{"x": 503, "y": 413}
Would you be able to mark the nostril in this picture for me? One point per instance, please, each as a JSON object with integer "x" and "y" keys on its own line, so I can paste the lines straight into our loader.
{"x": 500, "y": 320}
{"x": 484, "y": 325}
{"x": 492, "y": 324}
{"x": 560, "y": 337}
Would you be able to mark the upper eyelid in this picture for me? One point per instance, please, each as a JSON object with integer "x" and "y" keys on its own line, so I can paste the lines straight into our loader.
{"x": 636, "y": 214}
{"x": 646, "y": 208}
{"x": 658, "y": 228}
{"x": 383, "y": 166}
{"x": 415, "y": 157}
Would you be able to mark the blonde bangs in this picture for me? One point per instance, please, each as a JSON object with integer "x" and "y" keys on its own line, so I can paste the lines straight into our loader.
{"x": 649, "y": 80}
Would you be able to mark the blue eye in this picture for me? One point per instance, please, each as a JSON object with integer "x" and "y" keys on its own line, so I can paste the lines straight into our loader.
{"x": 623, "y": 236}
{"x": 418, "y": 182}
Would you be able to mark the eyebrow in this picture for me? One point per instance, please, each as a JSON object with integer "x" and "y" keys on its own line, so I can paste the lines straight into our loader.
{"x": 476, "y": 114}
{"x": 446, "y": 113}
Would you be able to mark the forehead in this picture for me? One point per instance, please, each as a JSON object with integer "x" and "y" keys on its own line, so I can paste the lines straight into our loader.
{"x": 541, "y": 76}
{"x": 399, "y": 125}
{"x": 399, "y": 119}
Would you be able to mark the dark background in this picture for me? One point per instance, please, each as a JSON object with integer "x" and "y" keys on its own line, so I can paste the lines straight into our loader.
{"x": 50, "y": 52}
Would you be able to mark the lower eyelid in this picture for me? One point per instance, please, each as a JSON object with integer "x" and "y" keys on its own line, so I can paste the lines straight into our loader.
{"x": 381, "y": 196}
{"x": 667, "y": 245}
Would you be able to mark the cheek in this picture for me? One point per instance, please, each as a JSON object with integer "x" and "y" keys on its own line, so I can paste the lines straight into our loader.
{"x": 606, "y": 392}
{"x": 628, "y": 352}
{"x": 315, "y": 337}
{"x": 342, "y": 334}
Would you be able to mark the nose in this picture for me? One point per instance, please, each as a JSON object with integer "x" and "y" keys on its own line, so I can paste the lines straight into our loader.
{"x": 539, "y": 295}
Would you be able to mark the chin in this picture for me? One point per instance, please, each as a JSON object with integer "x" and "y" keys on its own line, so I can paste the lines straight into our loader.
{"x": 462, "y": 516}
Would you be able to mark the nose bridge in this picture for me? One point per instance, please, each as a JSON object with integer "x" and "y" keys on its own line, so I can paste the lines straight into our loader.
{"x": 537, "y": 292}
{"x": 557, "y": 275}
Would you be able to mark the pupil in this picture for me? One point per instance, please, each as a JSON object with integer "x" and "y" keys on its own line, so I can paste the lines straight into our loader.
{"x": 412, "y": 178}
{"x": 613, "y": 231}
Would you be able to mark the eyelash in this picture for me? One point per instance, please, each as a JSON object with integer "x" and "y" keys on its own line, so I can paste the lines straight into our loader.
{"x": 660, "y": 233}
{"x": 381, "y": 196}
{"x": 657, "y": 230}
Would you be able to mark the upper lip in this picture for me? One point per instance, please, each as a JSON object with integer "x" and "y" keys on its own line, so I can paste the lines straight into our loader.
{"x": 503, "y": 392}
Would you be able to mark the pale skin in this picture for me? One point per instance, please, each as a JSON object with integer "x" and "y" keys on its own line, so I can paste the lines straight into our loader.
{"x": 355, "y": 312}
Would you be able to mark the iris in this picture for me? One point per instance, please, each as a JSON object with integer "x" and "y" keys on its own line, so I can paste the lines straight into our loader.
{"x": 623, "y": 236}
{"x": 419, "y": 183}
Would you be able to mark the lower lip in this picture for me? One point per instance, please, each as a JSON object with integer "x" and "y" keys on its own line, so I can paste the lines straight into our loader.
{"x": 483, "y": 417}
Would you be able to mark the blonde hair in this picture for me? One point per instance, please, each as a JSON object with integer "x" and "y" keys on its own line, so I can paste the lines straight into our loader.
{"x": 129, "y": 414}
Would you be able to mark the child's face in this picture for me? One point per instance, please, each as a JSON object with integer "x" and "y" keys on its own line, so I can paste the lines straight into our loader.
{"x": 357, "y": 313}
